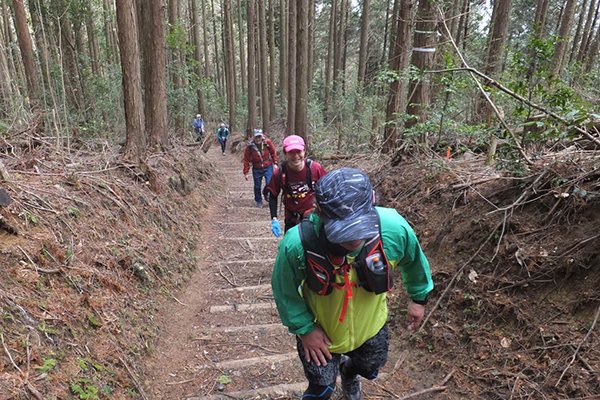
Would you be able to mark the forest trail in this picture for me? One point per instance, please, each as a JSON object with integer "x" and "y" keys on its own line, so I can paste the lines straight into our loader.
{"x": 222, "y": 337}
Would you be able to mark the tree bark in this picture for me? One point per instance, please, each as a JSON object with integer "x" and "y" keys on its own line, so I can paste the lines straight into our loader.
{"x": 154, "y": 43}
{"x": 283, "y": 51}
{"x": 229, "y": 61}
{"x": 38, "y": 33}
{"x": 197, "y": 54}
{"x": 593, "y": 53}
{"x": 252, "y": 120}
{"x": 135, "y": 145}
{"x": 364, "y": 35}
{"x": 560, "y": 50}
{"x": 26, "y": 46}
{"x": 311, "y": 44}
{"x": 301, "y": 124}
{"x": 205, "y": 40}
{"x": 422, "y": 60}
{"x": 330, "y": 56}
{"x": 272, "y": 59}
{"x": 495, "y": 55}
{"x": 264, "y": 67}
{"x": 577, "y": 37}
{"x": 291, "y": 107}
{"x": 398, "y": 62}
{"x": 586, "y": 36}
{"x": 242, "y": 45}
{"x": 69, "y": 61}
{"x": 216, "y": 58}
{"x": 110, "y": 31}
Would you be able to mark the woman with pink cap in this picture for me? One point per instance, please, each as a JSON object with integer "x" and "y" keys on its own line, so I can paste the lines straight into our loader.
{"x": 296, "y": 178}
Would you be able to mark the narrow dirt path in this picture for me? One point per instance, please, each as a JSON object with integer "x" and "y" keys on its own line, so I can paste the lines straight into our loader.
{"x": 222, "y": 337}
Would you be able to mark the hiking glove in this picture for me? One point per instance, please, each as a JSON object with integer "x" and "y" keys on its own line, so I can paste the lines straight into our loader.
{"x": 276, "y": 228}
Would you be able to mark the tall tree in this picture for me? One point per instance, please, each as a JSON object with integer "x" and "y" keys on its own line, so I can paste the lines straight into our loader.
{"x": 216, "y": 40}
{"x": 283, "y": 50}
{"x": 109, "y": 30}
{"x": 242, "y": 51}
{"x": 229, "y": 61}
{"x": 154, "y": 44}
{"x": 364, "y": 35}
{"x": 69, "y": 58}
{"x": 311, "y": 44}
{"x": 593, "y": 53}
{"x": 197, "y": 54}
{"x": 422, "y": 60}
{"x": 252, "y": 119}
{"x": 5, "y": 88}
{"x": 135, "y": 144}
{"x": 495, "y": 54}
{"x": 586, "y": 36}
{"x": 272, "y": 59}
{"x": 205, "y": 39}
{"x": 578, "y": 31}
{"x": 301, "y": 123}
{"x": 291, "y": 106}
{"x": 537, "y": 30}
{"x": 330, "y": 55}
{"x": 94, "y": 48}
{"x": 263, "y": 66}
{"x": 26, "y": 46}
{"x": 560, "y": 49}
{"x": 398, "y": 62}
{"x": 36, "y": 12}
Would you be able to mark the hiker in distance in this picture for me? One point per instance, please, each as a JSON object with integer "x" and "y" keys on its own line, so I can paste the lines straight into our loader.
{"x": 261, "y": 155}
{"x": 198, "y": 125}
{"x": 222, "y": 135}
{"x": 296, "y": 178}
{"x": 330, "y": 280}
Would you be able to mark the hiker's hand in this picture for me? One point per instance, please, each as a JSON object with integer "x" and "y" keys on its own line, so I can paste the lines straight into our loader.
{"x": 414, "y": 316}
{"x": 315, "y": 346}
{"x": 276, "y": 228}
{"x": 247, "y": 177}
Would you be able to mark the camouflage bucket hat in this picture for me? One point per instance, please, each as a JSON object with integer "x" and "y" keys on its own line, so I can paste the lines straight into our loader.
{"x": 345, "y": 198}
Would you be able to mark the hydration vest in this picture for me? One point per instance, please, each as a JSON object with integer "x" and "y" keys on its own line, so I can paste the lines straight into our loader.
{"x": 371, "y": 264}
{"x": 285, "y": 184}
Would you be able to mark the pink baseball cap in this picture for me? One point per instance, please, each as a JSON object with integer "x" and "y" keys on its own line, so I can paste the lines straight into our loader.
{"x": 293, "y": 142}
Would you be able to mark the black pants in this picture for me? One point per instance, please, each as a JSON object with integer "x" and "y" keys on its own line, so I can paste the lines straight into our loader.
{"x": 223, "y": 143}
{"x": 368, "y": 359}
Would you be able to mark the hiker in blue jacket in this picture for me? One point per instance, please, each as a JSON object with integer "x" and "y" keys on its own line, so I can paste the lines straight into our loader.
{"x": 198, "y": 125}
{"x": 222, "y": 135}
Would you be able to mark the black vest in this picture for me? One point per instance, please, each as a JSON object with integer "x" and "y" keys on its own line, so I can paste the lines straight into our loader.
{"x": 371, "y": 264}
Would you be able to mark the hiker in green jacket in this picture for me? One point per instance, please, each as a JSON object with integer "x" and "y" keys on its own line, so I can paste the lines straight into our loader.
{"x": 330, "y": 280}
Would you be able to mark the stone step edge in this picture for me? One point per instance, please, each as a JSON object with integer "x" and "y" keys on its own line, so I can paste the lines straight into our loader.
{"x": 272, "y": 391}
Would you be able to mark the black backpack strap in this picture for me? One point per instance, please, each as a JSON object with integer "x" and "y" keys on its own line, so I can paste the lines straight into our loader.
{"x": 319, "y": 271}
{"x": 285, "y": 184}
{"x": 309, "y": 174}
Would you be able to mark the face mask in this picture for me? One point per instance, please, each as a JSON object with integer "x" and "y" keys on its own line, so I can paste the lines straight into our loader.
{"x": 335, "y": 249}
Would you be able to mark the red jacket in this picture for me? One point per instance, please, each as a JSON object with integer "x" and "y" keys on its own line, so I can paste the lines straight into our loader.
{"x": 259, "y": 156}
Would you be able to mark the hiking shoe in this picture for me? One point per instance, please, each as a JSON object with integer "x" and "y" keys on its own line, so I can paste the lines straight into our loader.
{"x": 351, "y": 388}
{"x": 223, "y": 153}
{"x": 259, "y": 204}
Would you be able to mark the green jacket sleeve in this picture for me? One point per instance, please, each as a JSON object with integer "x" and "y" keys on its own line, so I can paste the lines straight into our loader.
{"x": 403, "y": 250}
{"x": 287, "y": 278}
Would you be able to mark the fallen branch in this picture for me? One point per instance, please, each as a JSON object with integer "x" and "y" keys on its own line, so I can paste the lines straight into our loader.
{"x": 579, "y": 347}
{"x": 400, "y": 361}
{"x": 137, "y": 385}
{"x": 424, "y": 391}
